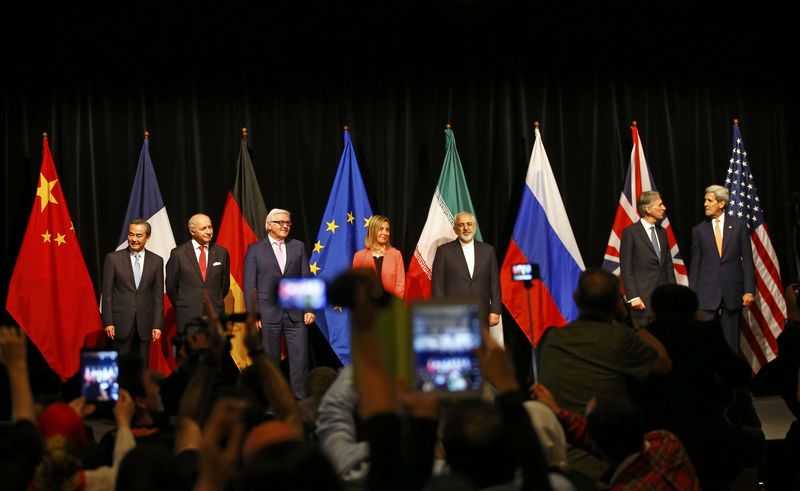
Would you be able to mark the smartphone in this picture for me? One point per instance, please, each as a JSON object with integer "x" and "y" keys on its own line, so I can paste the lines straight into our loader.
{"x": 445, "y": 335}
{"x": 524, "y": 272}
{"x": 302, "y": 293}
{"x": 99, "y": 375}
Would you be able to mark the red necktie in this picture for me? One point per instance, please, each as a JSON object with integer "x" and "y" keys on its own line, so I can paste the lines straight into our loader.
{"x": 202, "y": 261}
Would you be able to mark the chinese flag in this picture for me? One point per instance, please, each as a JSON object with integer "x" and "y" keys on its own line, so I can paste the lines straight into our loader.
{"x": 51, "y": 295}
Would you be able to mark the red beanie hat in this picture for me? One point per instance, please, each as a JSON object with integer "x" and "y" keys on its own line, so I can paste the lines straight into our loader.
{"x": 59, "y": 419}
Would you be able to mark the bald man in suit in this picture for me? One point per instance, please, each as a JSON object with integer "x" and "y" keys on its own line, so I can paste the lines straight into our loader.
{"x": 196, "y": 267}
{"x": 133, "y": 294}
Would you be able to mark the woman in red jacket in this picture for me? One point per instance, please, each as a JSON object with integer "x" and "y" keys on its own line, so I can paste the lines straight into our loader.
{"x": 381, "y": 257}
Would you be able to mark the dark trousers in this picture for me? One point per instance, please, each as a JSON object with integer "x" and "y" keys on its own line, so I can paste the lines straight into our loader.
{"x": 133, "y": 343}
{"x": 297, "y": 349}
{"x": 729, "y": 320}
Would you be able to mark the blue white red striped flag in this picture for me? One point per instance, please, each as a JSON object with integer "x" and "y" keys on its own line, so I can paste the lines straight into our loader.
{"x": 765, "y": 317}
{"x": 543, "y": 235}
{"x": 146, "y": 202}
{"x": 637, "y": 180}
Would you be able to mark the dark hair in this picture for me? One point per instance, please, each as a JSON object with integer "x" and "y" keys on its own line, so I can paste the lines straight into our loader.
{"x": 475, "y": 444}
{"x": 149, "y": 467}
{"x": 597, "y": 292}
{"x": 676, "y": 303}
{"x": 141, "y": 221}
{"x": 291, "y": 465}
{"x": 616, "y": 426}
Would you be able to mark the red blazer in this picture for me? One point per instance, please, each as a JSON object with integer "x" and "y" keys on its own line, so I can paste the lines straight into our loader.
{"x": 393, "y": 274}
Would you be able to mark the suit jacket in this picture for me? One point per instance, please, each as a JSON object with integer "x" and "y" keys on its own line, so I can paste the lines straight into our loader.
{"x": 393, "y": 274}
{"x": 262, "y": 273}
{"x": 185, "y": 285}
{"x": 718, "y": 279}
{"x": 641, "y": 270}
{"x": 450, "y": 277}
{"x": 123, "y": 303}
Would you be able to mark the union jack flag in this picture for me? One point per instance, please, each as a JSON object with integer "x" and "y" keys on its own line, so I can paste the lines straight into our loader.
{"x": 637, "y": 180}
{"x": 765, "y": 317}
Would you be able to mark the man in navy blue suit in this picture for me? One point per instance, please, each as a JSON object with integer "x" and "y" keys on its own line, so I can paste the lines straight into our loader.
{"x": 722, "y": 271}
{"x": 266, "y": 262}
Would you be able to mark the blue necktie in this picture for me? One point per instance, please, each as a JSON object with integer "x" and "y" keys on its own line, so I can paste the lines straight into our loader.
{"x": 137, "y": 270}
{"x": 654, "y": 240}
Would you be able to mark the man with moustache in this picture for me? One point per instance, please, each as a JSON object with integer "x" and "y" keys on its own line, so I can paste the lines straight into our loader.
{"x": 467, "y": 268}
{"x": 133, "y": 294}
{"x": 195, "y": 267}
{"x": 645, "y": 261}
{"x": 722, "y": 271}
{"x": 266, "y": 262}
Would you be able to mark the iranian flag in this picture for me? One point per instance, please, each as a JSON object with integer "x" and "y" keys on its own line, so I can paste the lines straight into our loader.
{"x": 450, "y": 197}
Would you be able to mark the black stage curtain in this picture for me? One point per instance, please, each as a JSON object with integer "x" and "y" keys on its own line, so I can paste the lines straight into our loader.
{"x": 194, "y": 75}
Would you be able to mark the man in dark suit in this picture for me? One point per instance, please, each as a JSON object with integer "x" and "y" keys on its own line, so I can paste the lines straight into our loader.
{"x": 133, "y": 293}
{"x": 195, "y": 267}
{"x": 467, "y": 268}
{"x": 645, "y": 261}
{"x": 722, "y": 271}
{"x": 266, "y": 262}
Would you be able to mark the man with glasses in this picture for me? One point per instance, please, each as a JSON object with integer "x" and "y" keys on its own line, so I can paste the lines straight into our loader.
{"x": 195, "y": 267}
{"x": 467, "y": 268}
{"x": 266, "y": 262}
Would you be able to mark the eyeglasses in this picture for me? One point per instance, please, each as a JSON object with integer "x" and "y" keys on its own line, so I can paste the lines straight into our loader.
{"x": 282, "y": 223}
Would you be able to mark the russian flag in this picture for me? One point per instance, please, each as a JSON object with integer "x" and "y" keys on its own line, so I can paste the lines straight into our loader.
{"x": 146, "y": 202}
{"x": 542, "y": 235}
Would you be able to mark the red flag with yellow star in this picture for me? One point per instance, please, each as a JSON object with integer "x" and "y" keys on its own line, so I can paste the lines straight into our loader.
{"x": 51, "y": 295}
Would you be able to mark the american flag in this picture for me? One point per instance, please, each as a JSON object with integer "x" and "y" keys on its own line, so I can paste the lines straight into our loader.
{"x": 638, "y": 180}
{"x": 765, "y": 317}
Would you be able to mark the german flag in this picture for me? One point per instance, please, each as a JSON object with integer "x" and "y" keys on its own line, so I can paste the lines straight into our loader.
{"x": 242, "y": 224}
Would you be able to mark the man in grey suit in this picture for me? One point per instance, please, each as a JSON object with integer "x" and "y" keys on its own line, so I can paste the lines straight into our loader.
{"x": 722, "y": 271}
{"x": 645, "y": 261}
{"x": 467, "y": 268}
{"x": 133, "y": 294}
{"x": 266, "y": 262}
{"x": 195, "y": 267}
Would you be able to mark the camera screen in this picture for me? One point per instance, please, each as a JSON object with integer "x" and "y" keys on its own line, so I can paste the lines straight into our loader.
{"x": 522, "y": 272}
{"x": 445, "y": 339}
{"x": 302, "y": 293}
{"x": 99, "y": 373}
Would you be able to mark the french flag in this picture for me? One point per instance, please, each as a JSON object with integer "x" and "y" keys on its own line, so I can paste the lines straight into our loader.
{"x": 542, "y": 235}
{"x": 146, "y": 202}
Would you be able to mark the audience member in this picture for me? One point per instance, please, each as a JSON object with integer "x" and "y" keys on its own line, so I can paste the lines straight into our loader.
{"x": 595, "y": 353}
{"x": 614, "y": 428}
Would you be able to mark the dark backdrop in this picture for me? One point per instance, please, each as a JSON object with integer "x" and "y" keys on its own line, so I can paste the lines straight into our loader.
{"x": 396, "y": 72}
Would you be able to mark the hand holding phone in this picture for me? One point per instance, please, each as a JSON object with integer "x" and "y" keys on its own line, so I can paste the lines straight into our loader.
{"x": 446, "y": 335}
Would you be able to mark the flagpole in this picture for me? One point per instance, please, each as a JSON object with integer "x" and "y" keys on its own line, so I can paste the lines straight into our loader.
{"x": 528, "y": 287}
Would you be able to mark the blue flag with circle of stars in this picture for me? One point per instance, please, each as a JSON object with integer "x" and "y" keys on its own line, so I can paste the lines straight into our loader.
{"x": 341, "y": 234}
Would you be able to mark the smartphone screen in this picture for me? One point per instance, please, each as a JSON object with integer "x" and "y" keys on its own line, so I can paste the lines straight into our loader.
{"x": 302, "y": 293}
{"x": 445, "y": 336}
{"x": 524, "y": 272}
{"x": 99, "y": 375}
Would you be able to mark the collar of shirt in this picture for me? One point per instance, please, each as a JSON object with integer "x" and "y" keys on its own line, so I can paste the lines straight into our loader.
{"x": 196, "y": 245}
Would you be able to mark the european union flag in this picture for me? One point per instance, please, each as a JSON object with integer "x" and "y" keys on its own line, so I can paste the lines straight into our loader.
{"x": 341, "y": 234}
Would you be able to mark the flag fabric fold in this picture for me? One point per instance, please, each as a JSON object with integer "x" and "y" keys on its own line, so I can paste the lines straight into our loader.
{"x": 242, "y": 223}
{"x": 450, "y": 197}
{"x": 50, "y": 294}
{"x": 637, "y": 180}
{"x": 341, "y": 234}
{"x": 764, "y": 319}
{"x": 146, "y": 202}
{"x": 542, "y": 235}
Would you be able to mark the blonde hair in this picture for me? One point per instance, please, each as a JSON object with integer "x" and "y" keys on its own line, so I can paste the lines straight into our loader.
{"x": 373, "y": 225}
